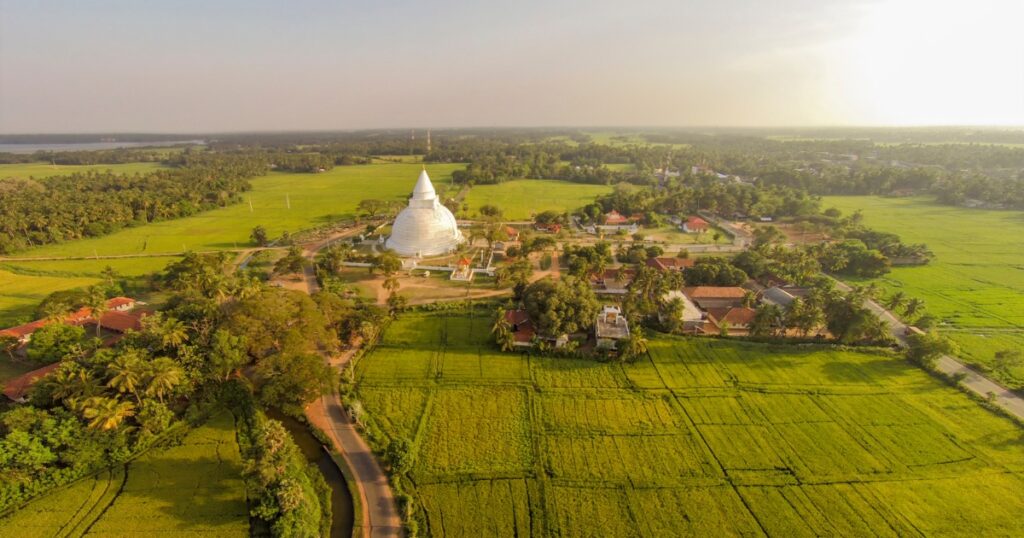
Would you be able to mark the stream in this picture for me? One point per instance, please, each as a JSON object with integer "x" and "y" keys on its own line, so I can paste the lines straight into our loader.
{"x": 341, "y": 499}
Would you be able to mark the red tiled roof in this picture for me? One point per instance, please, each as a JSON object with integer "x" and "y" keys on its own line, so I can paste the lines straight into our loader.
{"x": 118, "y": 302}
{"x": 696, "y": 222}
{"x": 22, "y": 331}
{"x": 16, "y": 388}
{"x": 714, "y": 292}
{"x": 614, "y": 217}
{"x": 120, "y": 321}
{"x": 511, "y": 232}
{"x": 664, "y": 264}
{"x": 736, "y": 316}
{"x": 522, "y": 327}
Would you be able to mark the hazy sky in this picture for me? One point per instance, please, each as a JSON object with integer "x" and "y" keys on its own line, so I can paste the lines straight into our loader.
{"x": 228, "y": 65}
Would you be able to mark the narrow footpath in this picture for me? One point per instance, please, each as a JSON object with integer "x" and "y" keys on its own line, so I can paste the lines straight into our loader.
{"x": 973, "y": 380}
{"x": 380, "y": 512}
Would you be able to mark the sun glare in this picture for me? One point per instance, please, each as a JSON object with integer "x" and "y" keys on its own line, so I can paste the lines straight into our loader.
{"x": 939, "y": 62}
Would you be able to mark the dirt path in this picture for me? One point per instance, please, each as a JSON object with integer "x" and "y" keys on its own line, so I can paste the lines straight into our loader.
{"x": 974, "y": 381}
{"x": 380, "y": 511}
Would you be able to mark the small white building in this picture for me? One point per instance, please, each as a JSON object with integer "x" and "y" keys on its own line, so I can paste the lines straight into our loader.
{"x": 611, "y": 327}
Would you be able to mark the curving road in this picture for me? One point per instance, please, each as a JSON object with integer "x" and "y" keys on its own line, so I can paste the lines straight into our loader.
{"x": 380, "y": 512}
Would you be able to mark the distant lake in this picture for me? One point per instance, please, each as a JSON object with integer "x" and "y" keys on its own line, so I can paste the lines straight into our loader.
{"x": 87, "y": 146}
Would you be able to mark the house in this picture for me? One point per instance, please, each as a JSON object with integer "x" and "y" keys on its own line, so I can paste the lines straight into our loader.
{"x": 614, "y": 218}
{"x": 613, "y": 281}
{"x": 521, "y": 327}
{"x": 17, "y": 389}
{"x": 777, "y": 296}
{"x": 664, "y": 264}
{"x": 512, "y": 233}
{"x": 696, "y": 225}
{"x": 523, "y": 332}
{"x": 692, "y": 316}
{"x": 611, "y": 327}
{"x": 736, "y": 320}
{"x": 82, "y": 316}
{"x": 708, "y": 297}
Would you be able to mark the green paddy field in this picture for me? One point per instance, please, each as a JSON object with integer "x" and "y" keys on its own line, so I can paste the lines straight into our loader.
{"x": 975, "y": 284}
{"x": 702, "y": 437}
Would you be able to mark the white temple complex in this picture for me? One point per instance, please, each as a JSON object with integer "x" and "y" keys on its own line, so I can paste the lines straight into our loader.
{"x": 425, "y": 227}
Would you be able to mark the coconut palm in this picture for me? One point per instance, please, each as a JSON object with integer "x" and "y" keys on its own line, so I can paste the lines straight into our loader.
{"x": 635, "y": 345}
{"x": 96, "y": 300}
{"x": 897, "y": 301}
{"x": 106, "y": 413}
{"x": 914, "y": 307}
{"x": 126, "y": 374}
{"x": 164, "y": 374}
{"x": 502, "y": 332}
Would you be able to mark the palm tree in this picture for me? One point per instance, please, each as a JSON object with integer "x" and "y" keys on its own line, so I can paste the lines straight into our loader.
{"x": 71, "y": 384}
{"x": 502, "y": 332}
{"x": 391, "y": 283}
{"x": 106, "y": 413}
{"x": 56, "y": 311}
{"x": 170, "y": 332}
{"x": 164, "y": 375}
{"x": 635, "y": 345}
{"x": 897, "y": 301}
{"x": 97, "y": 301}
{"x": 914, "y": 306}
{"x": 126, "y": 374}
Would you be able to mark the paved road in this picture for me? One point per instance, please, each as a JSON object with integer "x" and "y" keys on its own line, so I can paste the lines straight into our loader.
{"x": 380, "y": 512}
{"x": 1008, "y": 400}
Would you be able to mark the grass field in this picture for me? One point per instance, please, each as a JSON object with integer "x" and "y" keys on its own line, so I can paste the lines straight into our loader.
{"x": 314, "y": 199}
{"x": 522, "y": 198}
{"x": 193, "y": 489}
{"x": 41, "y": 170}
{"x": 25, "y": 284}
{"x": 703, "y": 437}
{"x": 975, "y": 284}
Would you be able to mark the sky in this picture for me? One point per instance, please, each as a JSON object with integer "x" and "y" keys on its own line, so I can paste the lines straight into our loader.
{"x": 239, "y": 65}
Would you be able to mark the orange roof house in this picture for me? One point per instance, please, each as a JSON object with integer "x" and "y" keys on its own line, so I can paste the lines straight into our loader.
{"x": 512, "y": 233}
{"x": 521, "y": 326}
{"x": 17, "y": 389}
{"x": 715, "y": 296}
{"x": 614, "y": 218}
{"x": 736, "y": 319}
{"x": 695, "y": 225}
{"x": 664, "y": 264}
{"x": 81, "y": 316}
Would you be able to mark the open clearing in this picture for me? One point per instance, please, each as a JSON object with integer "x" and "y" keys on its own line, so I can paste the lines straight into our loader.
{"x": 193, "y": 489}
{"x": 975, "y": 284}
{"x": 315, "y": 199}
{"x": 41, "y": 170}
{"x": 704, "y": 437}
{"x": 522, "y": 198}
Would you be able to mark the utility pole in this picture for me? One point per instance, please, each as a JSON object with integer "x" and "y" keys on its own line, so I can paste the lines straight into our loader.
{"x": 287, "y": 201}
{"x": 250, "y": 204}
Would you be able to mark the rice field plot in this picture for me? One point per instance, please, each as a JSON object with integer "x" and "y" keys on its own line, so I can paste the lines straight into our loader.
{"x": 419, "y": 329}
{"x": 703, "y": 438}
{"x": 520, "y": 199}
{"x": 975, "y": 283}
{"x": 20, "y": 294}
{"x": 497, "y": 508}
{"x": 398, "y": 410}
{"x": 191, "y": 489}
{"x": 476, "y": 431}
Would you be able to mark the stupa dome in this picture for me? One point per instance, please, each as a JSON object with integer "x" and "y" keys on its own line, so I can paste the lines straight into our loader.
{"x": 425, "y": 227}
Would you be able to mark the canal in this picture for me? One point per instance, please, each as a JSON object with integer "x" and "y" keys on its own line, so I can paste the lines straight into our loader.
{"x": 341, "y": 498}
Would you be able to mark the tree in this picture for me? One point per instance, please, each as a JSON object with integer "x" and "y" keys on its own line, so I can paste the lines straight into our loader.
{"x": 163, "y": 375}
{"x": 106, "y": 413}
{"x": 768, "y": 321}
{"x": 635, "y": 345}
{"x": 291, "y": 381}
{"x": 502, "y": 332}
{"x": 804, "y": 316}
{"x": 72, "y": 384}
{"x": 259, "y": 236}
{"x": 561, "y": 307}
{"x": 399, "y": 454}
{"x": 169, "y": 333}
{"x": 54, "y": 341}
{"x": 371, "y": 207}
{"x": 97, "y": 301}
{"x": 227, "y": 354}
{"x": 291, "y": 263}
{"x": 109, "y": 274}
{"x": 388, "y": 262}
{"x": 396, "y": 303}
{"x": 896, "y": 301}
{"x": 913, "y": 307}
{"x": 127, "y": 373}
{"x": 391, "y": 283}
{"x": 926, "y": 349}
{"x": 492, "y": 211}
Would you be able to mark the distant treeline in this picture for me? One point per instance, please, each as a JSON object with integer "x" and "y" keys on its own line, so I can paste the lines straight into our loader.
{"x": 90, "y": 204}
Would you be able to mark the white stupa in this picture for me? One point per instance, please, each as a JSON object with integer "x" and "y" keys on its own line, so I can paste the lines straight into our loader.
{"x": 426, "y": 227}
